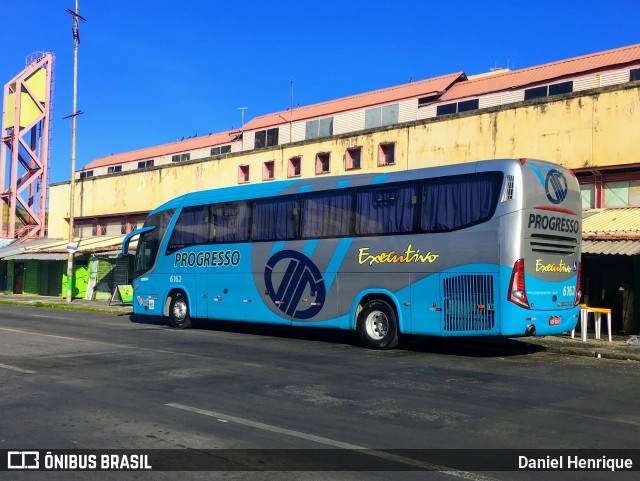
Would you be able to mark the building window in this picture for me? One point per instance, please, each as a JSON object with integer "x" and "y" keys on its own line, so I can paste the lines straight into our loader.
{"x": 353, "y": 158}
{"x": 295, "y": 167}
{"x": 380, "y": 116}
{"x": 114, "y": 168}
{"x": 447, "y": 109}
{"x": 180, "y": 157}
{"x": 86, "y": 174}
{"x": 387, "y": 154}
{"x": 424, "y": 101}
{"x": 266, "y": 138}
{"x": 315, "y": 129}
{"x": 588, "y": 194}
{"x": 622, "y": 194}
{"x": 222, "y": 149}
{"x": 133, "y": 225}
{"x": 269, "y": 170}
{"x": 243, "y": 174}
{"x": 634, "y": 74}
{"x": 103, "y": 229}
{"x": 561, "y": 88}
{"x": 145, "y": 163}
{"x": 94, "y": 230}
{"x": 535, "y": 93}
{"x": 123, "y": 227}
{"x": 548, "y": 90}
{"x": 457, "y": 107}
{"x": 468, "y": 105}
{"x": 323, "y": 162}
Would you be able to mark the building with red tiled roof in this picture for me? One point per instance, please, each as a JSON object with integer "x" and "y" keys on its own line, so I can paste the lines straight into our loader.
{"x": 414, "y": 101}
{"x": 580, "y": 112}
{"x": 429, "y": 87}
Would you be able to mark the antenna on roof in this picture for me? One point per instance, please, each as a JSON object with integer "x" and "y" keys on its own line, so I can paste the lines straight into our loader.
{"x": 243, "y": 109}
{"x": 290, "y": 110}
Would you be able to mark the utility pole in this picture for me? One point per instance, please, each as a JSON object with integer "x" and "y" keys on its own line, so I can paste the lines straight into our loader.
{"x": 70, "y": 249}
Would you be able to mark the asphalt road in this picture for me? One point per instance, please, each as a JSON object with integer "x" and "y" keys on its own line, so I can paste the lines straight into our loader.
{"x": 77, "y": 380}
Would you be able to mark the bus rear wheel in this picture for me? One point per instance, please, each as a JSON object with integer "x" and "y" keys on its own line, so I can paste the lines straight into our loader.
{"x": 378, "y": 325}
{"x": 179, "y": 312}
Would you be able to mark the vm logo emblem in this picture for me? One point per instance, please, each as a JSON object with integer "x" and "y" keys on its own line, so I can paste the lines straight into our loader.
{"x": 299, "y": 273}
{"x": 556, "y": 186}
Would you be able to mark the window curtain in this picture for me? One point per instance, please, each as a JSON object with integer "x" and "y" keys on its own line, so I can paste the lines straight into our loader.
{"x": 384, "y": 211}
{"x": 232, "y": 222}
{"x": 327, "y": 215}
{"x": 274, "y": 220}
{"x": 455, "y": 204}
{"x": 192, "y": 227}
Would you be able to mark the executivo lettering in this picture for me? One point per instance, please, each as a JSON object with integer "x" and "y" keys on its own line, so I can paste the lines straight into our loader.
{"x": 409, "y": 256}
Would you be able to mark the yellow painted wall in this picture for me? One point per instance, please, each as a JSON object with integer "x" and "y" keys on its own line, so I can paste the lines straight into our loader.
{"x": 595, "y": 129}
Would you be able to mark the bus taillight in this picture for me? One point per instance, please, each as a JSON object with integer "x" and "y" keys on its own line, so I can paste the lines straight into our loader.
{"x": 517, "y": 294}
{"x": 576, "y": 301}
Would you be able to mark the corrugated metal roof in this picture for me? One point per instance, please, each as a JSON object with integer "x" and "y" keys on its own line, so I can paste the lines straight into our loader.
{"x": 38, "y": 256}
{"x": 18, "y": 248}
{"x": 543, "y": 73}
{"x": 85, "y": 245}
{"x": 377, "y": 97}
{"x": 624, "y": 220}
{"x": 617, "y": 247}
{"x": 178, "y": 146}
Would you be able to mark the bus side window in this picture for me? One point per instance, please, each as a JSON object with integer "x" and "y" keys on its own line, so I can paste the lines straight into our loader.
{"x": 455, "y": 203}
{"x": 275, "y": 219}
{"x": 387, "y": 210}
{"x": 327, "y": 214}
{"x": 192, "y": 228}
{"x": 231, "y": 222}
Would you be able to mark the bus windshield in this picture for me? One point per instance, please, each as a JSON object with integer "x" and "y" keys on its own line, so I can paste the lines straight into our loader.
{"x": 149, "y": 242}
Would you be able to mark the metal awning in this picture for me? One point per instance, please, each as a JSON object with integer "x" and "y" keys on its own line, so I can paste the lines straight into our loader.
{"x": 16, "y": 248}
{"x": 37, "y": 256}
{"x": 612, "y": 231}
{"x": 611, "y": 247}
{"x": 616, "y": 221}
{"x": 85, "y": 245}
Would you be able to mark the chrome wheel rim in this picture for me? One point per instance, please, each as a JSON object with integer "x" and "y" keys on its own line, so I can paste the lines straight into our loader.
{"x": 377, "y": 325}
{"x": 179, "y": 310}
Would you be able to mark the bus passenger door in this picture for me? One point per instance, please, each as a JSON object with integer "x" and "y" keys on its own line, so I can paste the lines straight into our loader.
{"x": 426, "y": 306}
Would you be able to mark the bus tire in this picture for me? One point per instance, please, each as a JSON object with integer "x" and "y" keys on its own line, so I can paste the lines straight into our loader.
{"x": 378, "y": 325}
{"x": 179, "y": 311}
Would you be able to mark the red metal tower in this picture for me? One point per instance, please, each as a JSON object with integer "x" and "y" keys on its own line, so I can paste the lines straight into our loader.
{"x": 25, "y": 143}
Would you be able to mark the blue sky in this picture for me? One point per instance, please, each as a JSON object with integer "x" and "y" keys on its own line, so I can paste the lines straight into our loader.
{"x": 154, "y": 71}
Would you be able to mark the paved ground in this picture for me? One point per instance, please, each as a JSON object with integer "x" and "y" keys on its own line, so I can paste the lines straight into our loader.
{"x": 71, "y": 379}
{"x": 618, "y": 349}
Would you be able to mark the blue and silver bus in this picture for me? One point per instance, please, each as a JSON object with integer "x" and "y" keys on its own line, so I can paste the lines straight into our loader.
{"x": 489, "y": 248}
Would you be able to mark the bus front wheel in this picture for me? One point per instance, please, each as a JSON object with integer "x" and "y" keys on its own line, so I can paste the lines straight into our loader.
{"x": 179, "y": 312}
{"x": 378, "y": 325}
